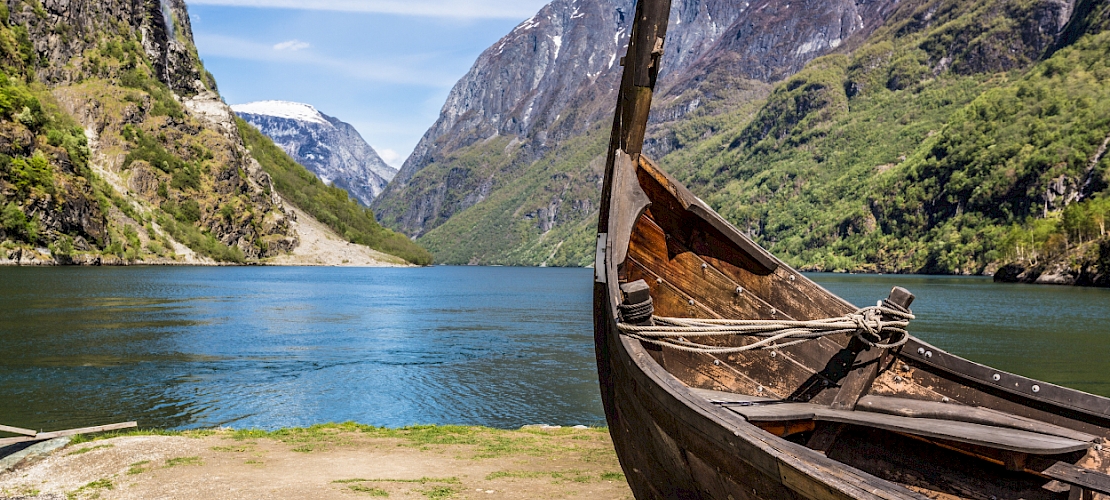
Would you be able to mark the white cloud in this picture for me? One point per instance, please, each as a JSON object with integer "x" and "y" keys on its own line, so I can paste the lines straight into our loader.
{"x": 393, "y": 158}
{"x": 500, "y": 9}
{"x": 398, "y": 70}
{"x": 293, "y": 45}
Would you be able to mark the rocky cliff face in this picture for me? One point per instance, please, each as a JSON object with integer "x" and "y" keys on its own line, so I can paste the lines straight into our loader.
{"x": 553, "y": 79}
{"x": 131, "y": 154}
{"x": 330, "y": 148}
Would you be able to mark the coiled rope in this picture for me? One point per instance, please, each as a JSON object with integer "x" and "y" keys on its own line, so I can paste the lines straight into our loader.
{"x": 865, "y": 324}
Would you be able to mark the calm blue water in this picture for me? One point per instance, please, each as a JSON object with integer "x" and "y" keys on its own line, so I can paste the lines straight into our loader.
{"x": 271, "y": 347}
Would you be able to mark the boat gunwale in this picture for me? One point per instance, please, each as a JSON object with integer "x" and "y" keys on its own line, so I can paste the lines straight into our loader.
{"x": 1048, "y": 394}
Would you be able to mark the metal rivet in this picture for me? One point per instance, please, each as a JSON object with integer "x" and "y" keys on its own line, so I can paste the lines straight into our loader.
{"x": 791, "y": 277}
{"x": 658, "y": 280}
{"x": 774, "y": 353}
{"x": 739, "y": 290}
{"x": 774, "y": 311}
{"x": 1036, "y": 388}
{"x": 945, "y": 399}
{"x": 921, "y": 350}
{"x": 897, "y": 378}
{"x": 759, "y": 389}
{"x": 905, "y": 367}
{"x": 996, "y": 377}
{"x": 704, "y": 265}
{"x": 928, "y": 354}
{"x": 691, "y": 302}
{"x": 717, "y": 362}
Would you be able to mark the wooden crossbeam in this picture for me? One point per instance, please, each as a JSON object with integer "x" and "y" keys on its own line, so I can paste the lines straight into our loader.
{"x": 1084, "y": 479}
{"x": 10, "y": 441}
{"x": 41, "y": 436}
{"x": 86, "y": 430}
{"x": 17, "y": 430}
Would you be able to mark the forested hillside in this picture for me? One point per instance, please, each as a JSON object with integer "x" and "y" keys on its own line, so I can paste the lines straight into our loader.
{"x": 935, "y": 147}
{"x": 956, "y": 137}
{"x": 116, "y": 148}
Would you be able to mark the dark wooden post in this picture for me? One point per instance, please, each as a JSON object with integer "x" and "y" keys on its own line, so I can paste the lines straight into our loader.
{"x": 641, "y": 70}
{"x": 858, "y": 381}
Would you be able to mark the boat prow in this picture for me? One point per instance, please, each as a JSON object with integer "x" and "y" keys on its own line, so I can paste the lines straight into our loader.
{"x": 804, "y": 395}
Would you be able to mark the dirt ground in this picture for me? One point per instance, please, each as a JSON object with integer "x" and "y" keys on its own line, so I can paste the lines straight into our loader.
{"x": 321, "y": 246}
{"x": 333, "y": 461}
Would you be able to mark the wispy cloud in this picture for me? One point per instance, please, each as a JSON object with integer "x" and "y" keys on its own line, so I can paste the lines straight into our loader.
{"x": 489, "y": 9}
{"x": 401, "y": 71}
{"x": 293, "y": 44}
{"x": 391, "y": 157}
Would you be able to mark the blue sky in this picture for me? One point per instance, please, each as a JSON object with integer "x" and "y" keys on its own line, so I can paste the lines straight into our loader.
{"x": 384, "y": 66}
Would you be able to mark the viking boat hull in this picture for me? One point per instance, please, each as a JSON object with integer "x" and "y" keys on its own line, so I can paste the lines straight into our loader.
{"x": 832, "y": 418}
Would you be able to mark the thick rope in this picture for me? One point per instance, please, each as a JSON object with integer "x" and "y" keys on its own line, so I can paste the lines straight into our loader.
{"x": 865, "y": 324}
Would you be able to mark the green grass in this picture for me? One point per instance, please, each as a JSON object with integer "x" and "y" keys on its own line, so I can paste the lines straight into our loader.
{"x": 369, "y": 490}
{"x": 330, "y": 205}
{"x": 174, "y": 462}
{"x": 138, "y": 468}
{"x": 99, "y": 484}
{"x": 438, "y": 492}
{"x": 88, "y": 449}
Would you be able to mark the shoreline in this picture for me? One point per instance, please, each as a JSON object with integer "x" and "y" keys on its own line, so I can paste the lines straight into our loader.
{"x": 344, "y": 460}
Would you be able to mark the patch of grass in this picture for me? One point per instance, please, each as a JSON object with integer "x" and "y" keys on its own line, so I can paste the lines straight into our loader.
{"x": 439, "y": 492}
{"x": 612, "y": 476}
{"x": 423, "y": 480}
{"x": 369, "y": 490}
{"x": 174, "y": 462}
{"x": 99, "y": 484}
{"x": 137, "y": 468}
{"x": 515, "y": 474}
{"x": 231, "y": 449}
{"x": 91, "y": 448}
{"x": 254, "y": 462}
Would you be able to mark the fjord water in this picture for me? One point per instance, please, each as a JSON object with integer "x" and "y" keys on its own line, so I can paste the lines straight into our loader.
{"x": 271, "y": 347}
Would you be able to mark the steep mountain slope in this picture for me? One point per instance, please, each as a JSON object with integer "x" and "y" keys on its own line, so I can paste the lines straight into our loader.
{"x": 927, "y": 149}
{"x": 330, "y": 148}
{"x": 115, "y": 146}
{"x": 543, "y": 96}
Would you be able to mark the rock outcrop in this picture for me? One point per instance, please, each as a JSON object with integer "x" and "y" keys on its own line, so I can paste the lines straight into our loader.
{"x": 330, "y": 148}
{"x": 159, "y": 164}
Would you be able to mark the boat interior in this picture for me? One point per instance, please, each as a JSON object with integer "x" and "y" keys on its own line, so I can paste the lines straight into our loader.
{"x": 917, "y": 416}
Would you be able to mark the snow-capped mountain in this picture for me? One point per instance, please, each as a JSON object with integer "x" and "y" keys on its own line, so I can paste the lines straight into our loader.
{"x": 329, "y": 147}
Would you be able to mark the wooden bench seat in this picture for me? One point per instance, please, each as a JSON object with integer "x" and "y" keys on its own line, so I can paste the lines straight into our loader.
{"x": 991, "y": 436}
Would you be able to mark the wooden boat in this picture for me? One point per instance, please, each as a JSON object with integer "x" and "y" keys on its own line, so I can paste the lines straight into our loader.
{"x": 831, "y": 418}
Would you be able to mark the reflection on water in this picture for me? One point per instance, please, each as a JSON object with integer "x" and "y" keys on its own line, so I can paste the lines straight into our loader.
{"x": 271, "y": 347}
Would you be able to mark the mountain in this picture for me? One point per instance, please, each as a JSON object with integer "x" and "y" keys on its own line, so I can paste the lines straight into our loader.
{"x": 911, "y": 136}
{"x": 330, "y": 148}
{"x": 545, "y": 92}
{"x": 116, "y": 148}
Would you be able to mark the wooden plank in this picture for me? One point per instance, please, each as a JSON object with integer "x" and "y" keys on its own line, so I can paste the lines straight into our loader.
{"x": 17, "y": 430}
{"x": 952, "y": 411}
{"x": 15, "y": 440}
{"x": 964, "y": 432}
{"x": 1078, "y": 476}
{"x": 86, "y": 430}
